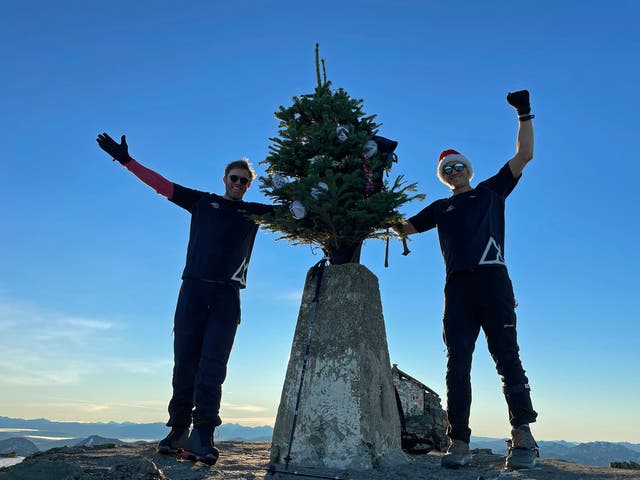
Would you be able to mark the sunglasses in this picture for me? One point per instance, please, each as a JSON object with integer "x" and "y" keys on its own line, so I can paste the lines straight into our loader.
{"x": 458, "y": 167}
{"x": 236, "y": 178}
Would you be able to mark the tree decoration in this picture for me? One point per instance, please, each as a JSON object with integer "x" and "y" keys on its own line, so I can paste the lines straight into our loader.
{"x": 370, "y": 148}
{"x": 317, "y": 192}
{"x": 278, "y": 181}
{"x": 297, "y": 209}
{"x": 342, "y": 133}
{"x": 338, "y": 195}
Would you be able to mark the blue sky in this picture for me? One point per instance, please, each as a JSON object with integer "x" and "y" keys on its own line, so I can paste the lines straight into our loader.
{"x": 91, "y": 258}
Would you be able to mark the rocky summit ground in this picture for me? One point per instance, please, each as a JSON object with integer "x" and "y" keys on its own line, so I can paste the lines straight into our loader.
{"x": 249, "y": 461}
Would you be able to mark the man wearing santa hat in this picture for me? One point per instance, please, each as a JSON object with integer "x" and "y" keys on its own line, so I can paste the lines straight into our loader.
{"x": 478, "y": 290}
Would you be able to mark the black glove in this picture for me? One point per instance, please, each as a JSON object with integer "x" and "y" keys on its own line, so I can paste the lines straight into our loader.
{"x": 520, "y": 101}
{"x": 119, "y": 151}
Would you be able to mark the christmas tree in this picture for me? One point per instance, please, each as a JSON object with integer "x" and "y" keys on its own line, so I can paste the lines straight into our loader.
{"x": 328, "y": 173}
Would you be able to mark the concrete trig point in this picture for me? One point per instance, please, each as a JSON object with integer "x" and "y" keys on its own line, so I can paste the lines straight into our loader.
{"x": 348, "y": 416}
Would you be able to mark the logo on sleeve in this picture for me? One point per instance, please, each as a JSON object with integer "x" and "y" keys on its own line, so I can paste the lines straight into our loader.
{"x": 492, "y": 254}
{"x": 240, "y": 274}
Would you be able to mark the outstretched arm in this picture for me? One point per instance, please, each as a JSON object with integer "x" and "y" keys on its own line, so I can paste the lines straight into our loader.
{"x": 524, "y": 141}
{"x": 120, "y": 152}
{"x": 156, "y": 181}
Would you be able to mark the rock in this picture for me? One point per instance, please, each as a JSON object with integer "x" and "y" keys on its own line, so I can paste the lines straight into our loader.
{"x": 40, "y": 469}
{"x": 137, "y": 469}
{"x": 481, "y": 451}
{"x": 424, "y": 416}
{"x": 426, "y": 427}
{"x": 625, "y": 465}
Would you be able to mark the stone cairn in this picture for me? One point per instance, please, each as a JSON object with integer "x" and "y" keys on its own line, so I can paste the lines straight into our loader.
{"x": 424, "y": 416}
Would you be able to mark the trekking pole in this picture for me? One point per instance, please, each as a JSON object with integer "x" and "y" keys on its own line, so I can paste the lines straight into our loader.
{"x": 272, "y": 470}
{"x": 316, "y": 271}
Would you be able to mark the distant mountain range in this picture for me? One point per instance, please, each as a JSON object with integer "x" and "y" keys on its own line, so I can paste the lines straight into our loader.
{"x": 28, "y": 436}
{"x": 45, "y": 434}
{"x": 590, "y": 453}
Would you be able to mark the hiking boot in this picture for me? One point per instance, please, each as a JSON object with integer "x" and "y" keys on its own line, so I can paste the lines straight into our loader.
{"x": 458, "y": 454}
{"x": 173, "y": 443}
{"x": 199, "y": 446}
{"x": 523, "y": 449}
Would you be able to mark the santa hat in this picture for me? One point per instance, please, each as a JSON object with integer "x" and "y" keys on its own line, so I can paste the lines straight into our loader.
{"x": 449, "y": 156}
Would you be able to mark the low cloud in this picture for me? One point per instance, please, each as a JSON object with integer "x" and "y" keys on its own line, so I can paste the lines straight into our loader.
{"x": 72, "y": 409}
{"x": 87, "y": 324}
{"x": 42, "y": 347}
{"x": 143, "y": 366}
{"x": 243, "y": 408}
{"x": 251, "y": 421}
{"x": 292, "y": 296}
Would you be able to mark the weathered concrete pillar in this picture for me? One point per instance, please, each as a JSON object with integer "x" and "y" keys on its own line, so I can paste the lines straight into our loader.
{"x": 347, "y": 418}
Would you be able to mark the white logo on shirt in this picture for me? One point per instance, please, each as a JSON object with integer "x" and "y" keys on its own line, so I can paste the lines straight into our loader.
{"x": 214, "y": 204}
{"x": 240, "y": 274}
{"x": 449, "y": 208}
{"x": 492, "y": 254}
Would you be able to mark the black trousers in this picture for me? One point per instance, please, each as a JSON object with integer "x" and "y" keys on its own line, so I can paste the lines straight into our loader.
{"x": 482, "y": 299}
{"x": 207, "y": 316}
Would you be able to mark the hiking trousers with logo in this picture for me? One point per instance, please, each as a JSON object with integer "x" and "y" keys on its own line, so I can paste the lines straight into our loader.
{"x": 477, "y": 299}
{"x": 207, "y": 316}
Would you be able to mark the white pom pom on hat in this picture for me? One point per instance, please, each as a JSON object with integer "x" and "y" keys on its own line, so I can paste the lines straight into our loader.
{"x": 448, "y": 156}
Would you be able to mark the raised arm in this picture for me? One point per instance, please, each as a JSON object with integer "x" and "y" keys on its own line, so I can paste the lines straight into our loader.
{"x": 120, "y": 152}
{"x": 524, "y": 141}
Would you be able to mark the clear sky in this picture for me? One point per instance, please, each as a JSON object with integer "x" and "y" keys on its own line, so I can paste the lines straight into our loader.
{"x": 91, "y": 258}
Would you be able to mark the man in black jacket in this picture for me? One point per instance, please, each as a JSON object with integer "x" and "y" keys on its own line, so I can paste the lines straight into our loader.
{"x": 208, "y": 309}
{"x": 478, "y": 290}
